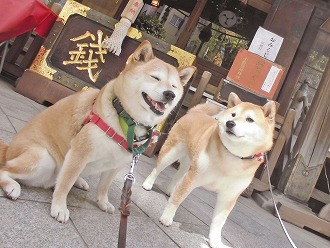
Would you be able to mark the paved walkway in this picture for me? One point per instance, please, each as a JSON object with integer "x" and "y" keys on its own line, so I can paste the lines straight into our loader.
{"x": 26, "y": 222}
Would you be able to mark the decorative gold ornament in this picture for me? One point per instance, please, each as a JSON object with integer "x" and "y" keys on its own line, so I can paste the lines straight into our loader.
{"x": 40, "y": 66}
{"x": 134, "y": 33}
{"x": 72, "y": 7}
{"x": 183, "y": 57}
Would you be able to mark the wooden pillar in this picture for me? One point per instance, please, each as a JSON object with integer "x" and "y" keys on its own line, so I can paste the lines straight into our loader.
{"x": 311, "y": 148}
{"x": 206, "y": 76}
{"x": 109, "y": 8}
{"x": 191, "y": 24}
{"x": 120, "y": 9}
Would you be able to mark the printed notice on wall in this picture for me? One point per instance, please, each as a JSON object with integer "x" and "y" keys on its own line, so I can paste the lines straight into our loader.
{"x": 270, "y": 79}
{"x": 266, "y": 44}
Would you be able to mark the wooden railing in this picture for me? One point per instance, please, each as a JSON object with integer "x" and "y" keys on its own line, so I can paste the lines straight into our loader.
{"x": 21, "y": 53}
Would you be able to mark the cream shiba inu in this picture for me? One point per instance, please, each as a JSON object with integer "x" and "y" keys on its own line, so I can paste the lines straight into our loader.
{"x": 83, "y": 134}
{"x": 221, "y": 155}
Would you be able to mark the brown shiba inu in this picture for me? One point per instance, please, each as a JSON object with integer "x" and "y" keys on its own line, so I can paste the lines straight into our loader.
{"x": 221, "y": 155}
{"x": 82, "y": 134}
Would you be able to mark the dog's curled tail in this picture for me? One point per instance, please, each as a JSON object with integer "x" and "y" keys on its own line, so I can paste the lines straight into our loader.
{"x": 206, "y": 108}
{"x": 3, "y": 151}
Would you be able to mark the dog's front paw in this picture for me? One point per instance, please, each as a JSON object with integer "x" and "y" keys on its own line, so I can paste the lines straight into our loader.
{"x": 219, "y": 246}
{"x": 106, "y": 207}
{"x": 216, "y": 243}
{"x": 61, "y": 214}
{"x": 166, "y": 220}
{"x": 168, "y": 191}
{"x": 13, "y": 190}
{"x": 147, "y": 185}
{"x": 81, "y": 184}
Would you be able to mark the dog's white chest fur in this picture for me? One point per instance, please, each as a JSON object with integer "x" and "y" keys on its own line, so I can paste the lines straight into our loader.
{"x": 107, "y": 154}
{"x": 222, "y": 175}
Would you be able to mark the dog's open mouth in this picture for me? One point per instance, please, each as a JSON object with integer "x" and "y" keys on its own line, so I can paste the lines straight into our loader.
{"x": 157, "y": 107}
{"x": 232, "y": 133}
{"x": 228, "y": 131}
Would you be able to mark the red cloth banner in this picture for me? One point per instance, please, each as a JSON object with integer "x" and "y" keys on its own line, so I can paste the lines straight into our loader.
{"x": 20, "y": 16}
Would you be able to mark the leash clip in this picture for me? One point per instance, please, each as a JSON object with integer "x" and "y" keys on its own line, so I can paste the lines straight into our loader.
{"x": 130, "y": 175}
{"x": 134, "y": 161}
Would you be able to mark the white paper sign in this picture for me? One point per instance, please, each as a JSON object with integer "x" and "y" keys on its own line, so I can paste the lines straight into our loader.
{"x": 270, "y": 79}
{"x": 266, "y": 44}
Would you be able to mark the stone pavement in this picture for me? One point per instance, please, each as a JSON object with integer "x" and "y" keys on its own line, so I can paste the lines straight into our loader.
{"x": 26, "y": 222}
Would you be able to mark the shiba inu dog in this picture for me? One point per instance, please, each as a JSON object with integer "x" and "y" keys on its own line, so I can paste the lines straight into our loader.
{"x": 221, "y": 155}
{"x": 83, "y": 133}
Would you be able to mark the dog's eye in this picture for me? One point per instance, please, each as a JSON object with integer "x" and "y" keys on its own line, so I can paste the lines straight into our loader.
{"x": 174, "y": 86}
{"x": 154, "y": 77}
{"x": 233, "y": 114}
{"x": 249, "y": 120}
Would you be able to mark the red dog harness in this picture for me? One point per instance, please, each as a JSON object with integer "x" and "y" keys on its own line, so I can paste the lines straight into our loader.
{"x": 121, "y": 141}
{"x": 128, "y": 143}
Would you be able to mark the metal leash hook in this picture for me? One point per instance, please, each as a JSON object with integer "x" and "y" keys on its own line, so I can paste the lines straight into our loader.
{"x": 126, "y": 202}
{"x": 130, "y": 175}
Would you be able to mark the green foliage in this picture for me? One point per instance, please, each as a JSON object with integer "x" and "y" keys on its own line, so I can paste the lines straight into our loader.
{"x": 318, "y": 60}
{"x": 151, "y": 25}
{"x": 222, "y": 47}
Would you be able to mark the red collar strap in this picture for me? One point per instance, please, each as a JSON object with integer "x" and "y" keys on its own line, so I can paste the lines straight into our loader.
{"x": 260, "y": 157}
{"x": 121, "y": 141}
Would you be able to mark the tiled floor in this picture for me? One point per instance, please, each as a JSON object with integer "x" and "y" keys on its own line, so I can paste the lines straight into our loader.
{"x": 26, "y": 222}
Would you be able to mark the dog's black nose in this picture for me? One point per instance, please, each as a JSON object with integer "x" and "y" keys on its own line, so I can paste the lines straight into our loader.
{"x": 230, "y": 124}
{"x": 169, "y": 95}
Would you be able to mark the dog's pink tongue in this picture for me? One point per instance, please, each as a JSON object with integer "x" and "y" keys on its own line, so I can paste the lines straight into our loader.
{"x": 159, "y": 106}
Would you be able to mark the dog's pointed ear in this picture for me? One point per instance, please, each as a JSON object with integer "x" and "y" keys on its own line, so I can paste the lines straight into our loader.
{"x": 143, "y": 52}
{"x": 233, "y": 100}
{"x": 185, "y": 73}
{"x": 269, "y": 110}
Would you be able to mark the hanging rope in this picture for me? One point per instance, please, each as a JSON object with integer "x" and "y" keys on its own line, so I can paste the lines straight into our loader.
{"x": 113, "y": 44}
{"x": 131, "y": 11}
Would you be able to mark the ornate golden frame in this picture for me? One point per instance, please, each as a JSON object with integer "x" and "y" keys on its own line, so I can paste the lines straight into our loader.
{"x": 40, "y": 63}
